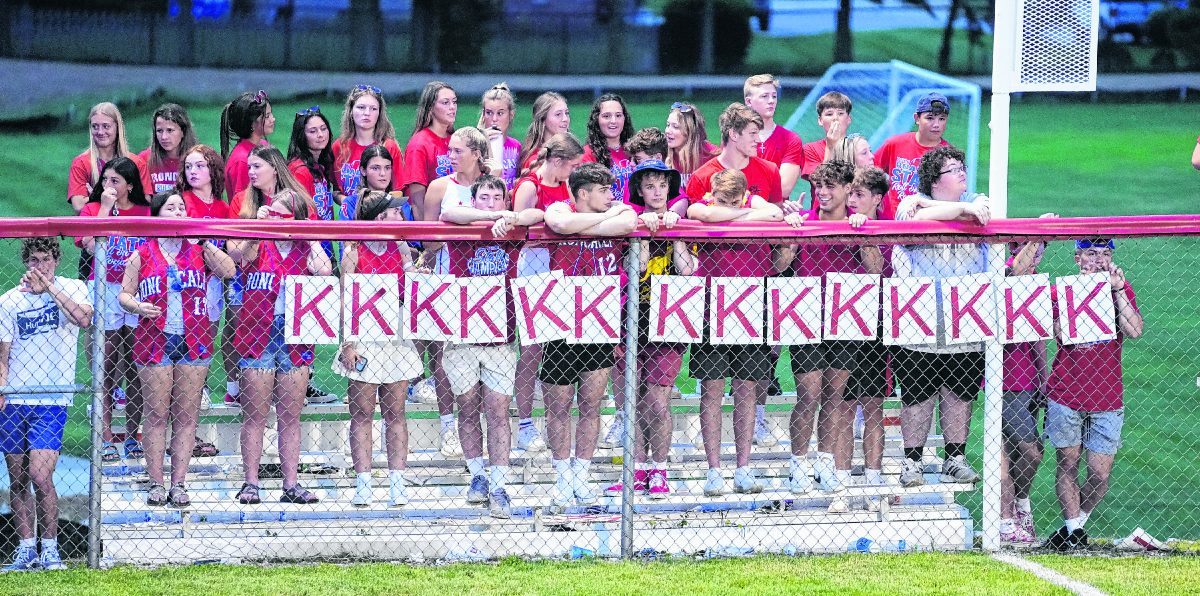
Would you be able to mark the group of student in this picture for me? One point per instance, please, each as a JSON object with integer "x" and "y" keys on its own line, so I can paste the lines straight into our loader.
{"x": 164, "y": 297}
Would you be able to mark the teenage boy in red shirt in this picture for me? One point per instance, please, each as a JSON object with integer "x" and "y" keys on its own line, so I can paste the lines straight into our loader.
{"x": 1084, "y": 403}
{"x": 900, "y": 156}
{"x": 776, "y": 144}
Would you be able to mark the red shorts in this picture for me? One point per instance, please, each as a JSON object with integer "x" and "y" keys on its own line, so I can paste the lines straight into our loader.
{"x": 659, "y": 363}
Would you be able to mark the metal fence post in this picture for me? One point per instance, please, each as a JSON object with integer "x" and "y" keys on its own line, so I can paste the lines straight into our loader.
{"x": 632, "y": 270}
{"x": 94, "y": 489}
{"x": 993, "y": 403}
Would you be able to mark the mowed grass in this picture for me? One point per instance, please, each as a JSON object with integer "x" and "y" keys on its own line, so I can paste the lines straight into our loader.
{"x": 846, "y": 574}
{"x": 1073, "y": 158}
{"x": 1130, "y": 575}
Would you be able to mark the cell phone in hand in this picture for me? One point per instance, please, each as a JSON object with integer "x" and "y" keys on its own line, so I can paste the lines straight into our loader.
{"x": 360, "y": 363}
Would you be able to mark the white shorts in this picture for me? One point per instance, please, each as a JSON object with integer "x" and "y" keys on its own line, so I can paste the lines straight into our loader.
{"x": 532, "y": 261}
{"x": 387, "y": 362}
{"x": 115, "y": 315}
{"x": 494, "y": 366}
{"x": 215, "y": 297}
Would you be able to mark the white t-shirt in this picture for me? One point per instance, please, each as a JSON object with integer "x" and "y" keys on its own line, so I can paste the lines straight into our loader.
{"x": 456, "y": 195}
{"x": 43, "y": 341}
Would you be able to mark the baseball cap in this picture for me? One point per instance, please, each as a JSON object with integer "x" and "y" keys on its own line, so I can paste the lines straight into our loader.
{"x": 645, "y": 167}
{"x": 929, "y": 103}
{"x": 1086, "y": 243}
{"x": 372, "y": 207}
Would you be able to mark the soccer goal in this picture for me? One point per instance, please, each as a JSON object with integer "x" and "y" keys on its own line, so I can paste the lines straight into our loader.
{"x": 884, "y": 95}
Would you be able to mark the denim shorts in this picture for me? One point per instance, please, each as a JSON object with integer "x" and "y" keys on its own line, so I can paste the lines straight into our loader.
{"x": 276, "y": 355}
{"x": 24, "y": 428}
{"x": 1099, "y": 432}
{"x": 175, "y": 351}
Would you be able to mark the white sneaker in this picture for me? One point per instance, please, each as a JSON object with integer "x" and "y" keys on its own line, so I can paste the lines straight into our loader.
{"x": 873, "y": 478}
{"x": 746, "y": 482}
{"x": 450, "y": 445}
{"x": 425, "y": 392}
{"x": 205, "y": 398}
{"x": 714, "y": 485}
{"x": 530, "y": 440}
{"x": 562, "y": 494}
{"x": 800, "y": 477}
{"x": 615, "y": 437}
{"x": 397, "y": 496}
{"x": 956, "y": 469}
{"x": 581, "y": 485}
{"x": 764, "y": 433}
{"x": 912, "y": 473}
{"x": 839, "y": 505}
{"x": 827, "y": 478}
{"x": 362, "y": 492}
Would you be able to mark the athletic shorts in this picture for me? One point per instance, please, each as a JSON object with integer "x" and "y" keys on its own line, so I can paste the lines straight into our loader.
{"x": 742, "y": 362}
{"x": 115, "y": 315}
{"x": 563, "y": 363}
{"x": 468, "y": 365}
{"x": 175, "y": 351}
{"x": 922, "y": 374}
{"x": 275, "y": 356}
{"x": 870, "y": 375}
{"x": 658, "y": 363}
{"x": 24, "y": 428}
{"x": 1018, "y": 421}
{"x": 1099, "y": 432}
{"x": 807, "y": 358}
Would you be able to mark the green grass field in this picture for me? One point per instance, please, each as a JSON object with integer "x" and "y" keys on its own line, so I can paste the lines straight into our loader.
{"x": 1072, "y": 158}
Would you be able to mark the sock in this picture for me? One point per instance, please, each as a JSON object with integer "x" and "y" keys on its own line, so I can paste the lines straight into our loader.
{"x": 654, "y": 465}
{"x": 914, "y": 453}
{"x": 475, "y": 466}
{"x": 526, "y": 423}
{"x": 28, "y": 543}
{"x": 49, "y": 544}
{"x": 843, "y": 476}
{"x": 742, "y": 472}
{"x": 1083, "y": 517}
{"x": 873, "y": 477}
{"x": 498, "y": 477}
{"x": 233, "y": 388}
{"x": 396, "y": 476}
{"x": 642, "y": 466}
{"x": 1024, "y": 505}
{"x": 1007, "y": 525}
{"x": 1072, "y": 524}
{"x": 955, "y": 449}
{"x": 365, "y": 477}
{"x": 760, "y": 412}
{"x": 447, "y": 421}
{"x": 562, "y": 466}
{"x": 581, "y": 464}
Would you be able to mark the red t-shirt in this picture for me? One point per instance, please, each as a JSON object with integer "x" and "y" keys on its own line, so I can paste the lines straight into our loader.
{"x": 1087, "y": 377}
{"x": 164, "y": 176}
{"x": 79, "y": 177}
{"x": 621, "y": 168}
{"x": 899, "y": 157}
{"x": 237, "y": 170}
{"x": 814, "y": 155}
{"x": 349, "y": 170}
{"x": 783, "y": 146}
{"x": 427, "y": 159}
{"x": 1020, "y": 370}
{"x": 546, "y": 195}
{"x": 318, "y": 189}
{"x": 762, "y": 179}
{"x": 198, "y": 209}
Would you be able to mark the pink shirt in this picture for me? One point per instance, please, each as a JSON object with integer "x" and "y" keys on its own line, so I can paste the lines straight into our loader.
{"x": 1020, "y": 367}
{"x": 1087, "y": 377}
{"x": 621, "y": 168}
{"x": 510, "y": 157}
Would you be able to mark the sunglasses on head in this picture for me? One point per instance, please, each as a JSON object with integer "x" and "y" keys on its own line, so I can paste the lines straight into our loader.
{"x": 1096, "y": 243}
{"x": 682, "y": 107}
{"x": 260, "y": 96}
{"x": 310, "y": 111}
{"x": 371, "y": 88}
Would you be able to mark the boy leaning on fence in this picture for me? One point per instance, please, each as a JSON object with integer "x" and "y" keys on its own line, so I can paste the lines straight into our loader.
{"x": 1085, "y": 409}
{"x": 39, "y": 333}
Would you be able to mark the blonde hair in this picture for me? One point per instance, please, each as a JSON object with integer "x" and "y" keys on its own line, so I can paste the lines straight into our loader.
{"x": 283, "y": 180}
{"x": 498, "y": 92}
{"x": 535, "y": 137}
{"x": 475, "y": 140}
{"x": 120, "y": 143}
{"x": 759, "y": 80}
{"x": 729, "y": 185}
{"x": 692, "y": 154}
{"x": 844, "y": 150}
{"x": 384, "y": 131}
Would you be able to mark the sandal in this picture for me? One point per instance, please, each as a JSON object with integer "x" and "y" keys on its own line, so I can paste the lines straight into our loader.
{"x": 133, "y": 449}
{"x": 204, "y": 449}
{"x": 299, "y": 495}
{"x": 248, "y": 495}
{"x": 178, "y": 496}
{"x": 156, "y": 496}
{"x": 109, "y": 453}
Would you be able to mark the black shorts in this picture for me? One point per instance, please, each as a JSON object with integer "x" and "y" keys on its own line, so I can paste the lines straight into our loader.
{"x": 562, "y": 363}
{"x": 869, "y": 377}
{"x": 748, "y": 362}
{"x": 807, "y": 358}
{"x": 922, "y": 374}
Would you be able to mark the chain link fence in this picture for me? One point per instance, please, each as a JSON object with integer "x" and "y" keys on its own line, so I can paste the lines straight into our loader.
{"x": 429, "y": 392}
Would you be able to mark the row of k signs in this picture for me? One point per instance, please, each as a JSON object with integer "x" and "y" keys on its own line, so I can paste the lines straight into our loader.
{"x": 910, "y": 311}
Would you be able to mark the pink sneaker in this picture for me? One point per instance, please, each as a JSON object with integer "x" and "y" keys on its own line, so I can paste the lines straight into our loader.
{"x": 1025, "y": 522}
{"x": 1018, "y": 536}
{"x": 659, "y": 489}
{"x": 640, "y": 478}
{"x": 232, "y": 401}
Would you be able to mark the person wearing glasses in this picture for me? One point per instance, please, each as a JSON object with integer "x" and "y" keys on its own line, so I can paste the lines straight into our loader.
{"x": 900, "y": 156}
{"x": 1085, "y": 407}
{"x": 40, "y": 321}
{"x": 166, "y": 286}
{"x": 946, "y": 375}
{"x": 365, "y": 122}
